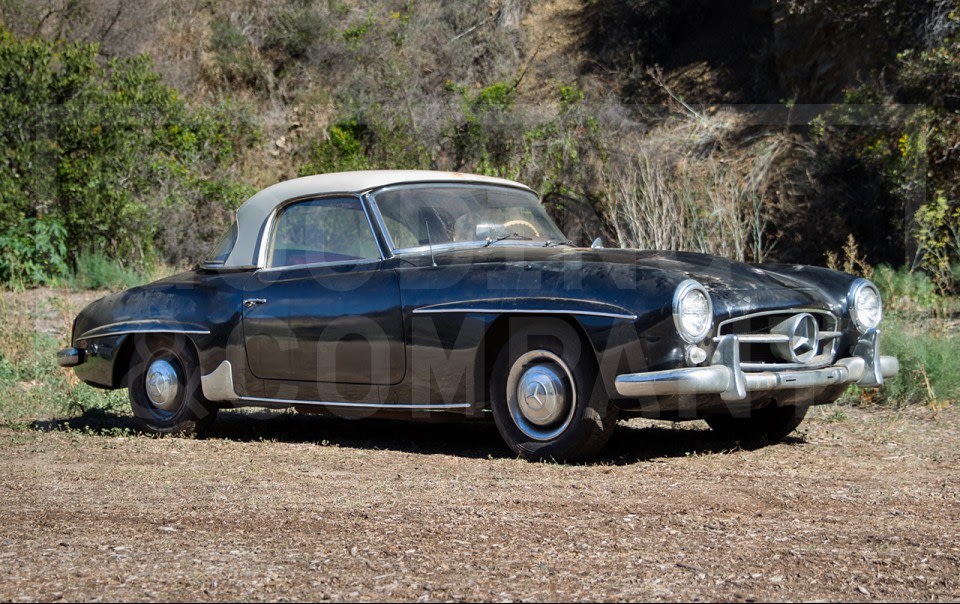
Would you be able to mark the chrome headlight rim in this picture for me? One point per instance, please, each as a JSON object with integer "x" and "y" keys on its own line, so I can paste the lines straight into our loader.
{"x": 683, "y": 290}
{"x": 855, "y": 313}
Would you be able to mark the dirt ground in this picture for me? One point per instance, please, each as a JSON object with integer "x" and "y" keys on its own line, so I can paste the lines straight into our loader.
{"x": 859, "y": 505}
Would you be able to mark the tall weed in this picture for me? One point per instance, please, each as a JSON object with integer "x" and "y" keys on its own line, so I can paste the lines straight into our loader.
{"x": 95, "y": 270}
{"x": 929, "y": 362}
{"x": 33, "y": 385}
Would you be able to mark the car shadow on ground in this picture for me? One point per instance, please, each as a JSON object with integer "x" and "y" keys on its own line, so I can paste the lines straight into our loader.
{"x": 630, "y": 444}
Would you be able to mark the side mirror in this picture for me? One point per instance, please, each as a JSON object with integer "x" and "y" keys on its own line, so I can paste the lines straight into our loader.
{"x": 597, "y": 244}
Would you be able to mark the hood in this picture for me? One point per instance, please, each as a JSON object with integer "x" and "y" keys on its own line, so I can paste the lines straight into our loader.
{"x": 716, "y": 274}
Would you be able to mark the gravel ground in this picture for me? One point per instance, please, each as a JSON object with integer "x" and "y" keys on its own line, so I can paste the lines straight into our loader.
{"x": 858, "y": 505}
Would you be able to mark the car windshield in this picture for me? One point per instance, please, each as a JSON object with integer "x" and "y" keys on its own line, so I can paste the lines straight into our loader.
{"x": 419, "y": 215}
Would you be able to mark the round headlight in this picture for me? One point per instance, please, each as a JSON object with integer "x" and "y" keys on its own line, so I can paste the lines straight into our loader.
{"x": 692, "y": 311}
{"x": 866, "y": 308}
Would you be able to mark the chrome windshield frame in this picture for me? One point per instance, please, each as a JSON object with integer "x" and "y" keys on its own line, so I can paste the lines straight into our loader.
{"x": 370, "y": 197}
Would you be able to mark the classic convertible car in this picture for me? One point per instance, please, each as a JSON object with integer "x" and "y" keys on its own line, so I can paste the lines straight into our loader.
{"x": 423, "y": 294}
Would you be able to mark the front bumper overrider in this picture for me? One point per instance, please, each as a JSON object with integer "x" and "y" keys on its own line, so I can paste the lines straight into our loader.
{"x": 71, "y": 357}
{"x": 866, "y": 368}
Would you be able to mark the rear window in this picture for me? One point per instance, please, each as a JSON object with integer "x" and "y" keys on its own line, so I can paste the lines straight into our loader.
{"x": 225, "y": 246}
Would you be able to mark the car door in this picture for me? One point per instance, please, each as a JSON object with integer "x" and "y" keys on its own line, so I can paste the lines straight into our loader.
{"x": 324, "y": 309}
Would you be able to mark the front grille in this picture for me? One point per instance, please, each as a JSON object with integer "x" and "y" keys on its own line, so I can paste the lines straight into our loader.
{"x": 761, "y": 349}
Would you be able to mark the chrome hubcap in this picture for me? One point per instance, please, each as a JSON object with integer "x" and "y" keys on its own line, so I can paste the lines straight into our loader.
{"x": 540, "y": 395}
{"x": 162, "y": 385}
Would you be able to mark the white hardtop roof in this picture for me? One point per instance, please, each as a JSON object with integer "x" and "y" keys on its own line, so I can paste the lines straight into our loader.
{"x": 254, "y": 212}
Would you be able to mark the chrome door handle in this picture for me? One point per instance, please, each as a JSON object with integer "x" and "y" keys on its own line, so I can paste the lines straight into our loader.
{"x": 251, "y": 302}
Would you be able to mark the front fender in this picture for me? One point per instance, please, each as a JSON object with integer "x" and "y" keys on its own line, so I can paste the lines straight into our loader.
{"x": 203, "y": 307}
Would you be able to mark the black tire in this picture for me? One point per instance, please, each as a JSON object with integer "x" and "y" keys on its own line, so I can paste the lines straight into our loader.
{"x": 772, "y": 423}
{"x": 584, "y": 421}
{"x": 186, "y": 412}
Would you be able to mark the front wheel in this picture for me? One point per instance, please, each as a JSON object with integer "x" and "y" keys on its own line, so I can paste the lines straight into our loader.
{"x": 772, "y": 422}
{"x": 546, "y": 399}
{"x": 164, "y": 385}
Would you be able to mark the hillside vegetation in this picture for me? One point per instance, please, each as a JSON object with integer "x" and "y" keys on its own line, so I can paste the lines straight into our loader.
{"x": 791, "y": 130}
{"x": 137, "y": 128}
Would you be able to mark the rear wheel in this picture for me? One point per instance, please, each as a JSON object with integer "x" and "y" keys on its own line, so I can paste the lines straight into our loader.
{"x": 772, "y": 422}
{"x": 545, "y": 395}
{"x": 164, "y": 386}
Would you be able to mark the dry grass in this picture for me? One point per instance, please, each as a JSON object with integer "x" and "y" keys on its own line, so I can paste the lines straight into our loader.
{"x": 693, "y": 184}
{"x": 860, "y": 505}
{"x": 33, "y": 326}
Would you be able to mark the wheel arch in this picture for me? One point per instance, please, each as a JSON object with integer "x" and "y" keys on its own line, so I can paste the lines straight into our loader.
{"x": 124, "y": 354}
{"x": 498, "y": 334}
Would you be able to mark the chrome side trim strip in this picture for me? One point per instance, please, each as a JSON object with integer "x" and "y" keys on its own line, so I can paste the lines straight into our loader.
{"x": 129, "y": 327}
{"x": 218, "y": 384}
{"x": 280, "y": 401}
{"x": 291, "y": 267}
{"x": 90, "y": 335}
{"x": 539, "y": 311}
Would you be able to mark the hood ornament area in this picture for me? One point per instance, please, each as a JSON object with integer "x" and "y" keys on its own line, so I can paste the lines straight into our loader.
{"x": 803, "y": 338}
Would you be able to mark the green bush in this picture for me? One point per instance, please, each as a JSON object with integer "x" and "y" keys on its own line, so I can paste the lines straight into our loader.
{"x": 905, "y": 290}
{"x": 102, "y": 153}
{"x": 570, "y": 96}
{"x": 938, "y": 239}
{"x": 931, "y": 75}
{"x": 32, "y": 252}
{"x": 342, "y": 151}
{"x": 293, "y": 32}
{"x": 929, "y": 363}
{"x": 94, "y": 270}
{"x": 238, "y": 64}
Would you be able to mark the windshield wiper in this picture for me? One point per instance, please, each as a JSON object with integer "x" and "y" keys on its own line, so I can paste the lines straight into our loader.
{"x": 516, "y": 236}
{"x": 552, "y": 243}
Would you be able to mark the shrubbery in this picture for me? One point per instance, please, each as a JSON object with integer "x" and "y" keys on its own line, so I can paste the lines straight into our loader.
{"x": 889, "y": 155}
{"x": 929, "y": 363}
{"x": 102, "y": 155}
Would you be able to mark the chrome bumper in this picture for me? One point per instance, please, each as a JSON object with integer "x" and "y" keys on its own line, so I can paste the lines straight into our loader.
{"x": 865, "y": 368}
{"x": 70, "y": 357}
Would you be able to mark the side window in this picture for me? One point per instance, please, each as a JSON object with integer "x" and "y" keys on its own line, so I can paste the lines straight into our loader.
{"x": 402, "y": 236}
{"x": 322, "y": 230}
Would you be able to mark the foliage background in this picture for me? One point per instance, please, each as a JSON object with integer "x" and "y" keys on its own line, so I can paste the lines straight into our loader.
{"x": 137, "y": 129}
{"x": 790, "y": 130}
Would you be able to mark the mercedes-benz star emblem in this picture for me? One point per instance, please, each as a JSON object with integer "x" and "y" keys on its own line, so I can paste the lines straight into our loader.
{"x": 534, "y": 391}
{"x": 803, "y": 340}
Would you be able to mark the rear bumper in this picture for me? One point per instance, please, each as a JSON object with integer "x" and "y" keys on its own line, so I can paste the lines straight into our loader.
{"x": 866, "y": 368}
{"x": 71, "y": 357}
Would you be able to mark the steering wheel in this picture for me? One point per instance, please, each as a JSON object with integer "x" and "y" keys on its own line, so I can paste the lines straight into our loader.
{"x": 523, "y": 223}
